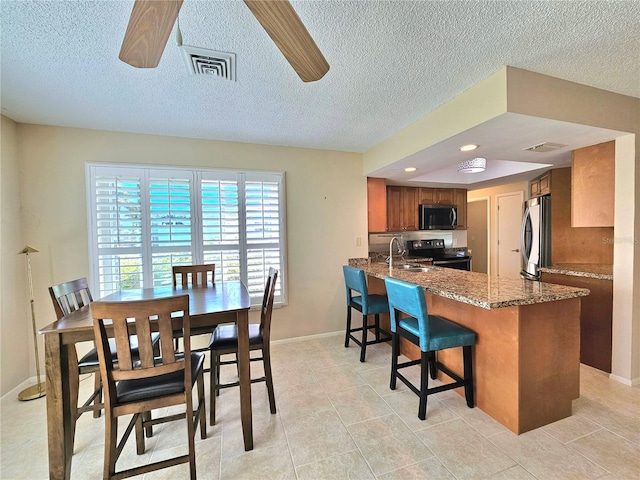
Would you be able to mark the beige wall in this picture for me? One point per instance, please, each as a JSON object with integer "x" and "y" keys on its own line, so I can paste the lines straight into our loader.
{"x": 15, "y": 321}
{"x": 326, "y": 210}
{"x": 491, "y": 194}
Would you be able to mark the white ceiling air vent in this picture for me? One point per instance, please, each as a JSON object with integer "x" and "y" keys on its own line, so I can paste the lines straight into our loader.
{"x": 201, "y": 61}
{"x": 545, "y": 147}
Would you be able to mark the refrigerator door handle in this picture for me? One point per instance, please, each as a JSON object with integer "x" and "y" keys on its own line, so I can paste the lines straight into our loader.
{"x": 523, "y": 246}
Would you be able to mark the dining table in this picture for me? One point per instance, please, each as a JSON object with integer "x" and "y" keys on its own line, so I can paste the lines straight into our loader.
{"x": 224, "y": 302}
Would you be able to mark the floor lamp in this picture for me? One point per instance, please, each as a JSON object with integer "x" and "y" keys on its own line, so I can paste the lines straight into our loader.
{"x": 38, "y": 390}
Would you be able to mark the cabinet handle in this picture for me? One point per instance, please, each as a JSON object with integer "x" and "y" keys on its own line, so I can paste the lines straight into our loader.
{"x": 516, "y": 250}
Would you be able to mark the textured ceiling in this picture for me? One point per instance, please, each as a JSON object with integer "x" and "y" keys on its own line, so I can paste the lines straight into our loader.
{"x": 391, "y": 63}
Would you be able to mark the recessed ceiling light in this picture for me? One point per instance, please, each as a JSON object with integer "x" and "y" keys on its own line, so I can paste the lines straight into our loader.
{"x": 468, "y": 148}
{"x": 410, "y": 169}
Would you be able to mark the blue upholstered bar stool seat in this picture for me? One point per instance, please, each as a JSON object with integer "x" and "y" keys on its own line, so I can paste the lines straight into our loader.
{"x": 431, "y": 333}
{"x": 368, "y": 304}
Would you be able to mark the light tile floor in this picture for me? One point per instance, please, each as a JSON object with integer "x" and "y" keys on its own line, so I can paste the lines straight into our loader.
{"x": 337, "y": 419}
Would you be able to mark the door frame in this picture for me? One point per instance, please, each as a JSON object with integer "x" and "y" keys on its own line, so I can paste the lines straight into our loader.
{"x": 497, "y": 225}
{"x": 488, "y": 200}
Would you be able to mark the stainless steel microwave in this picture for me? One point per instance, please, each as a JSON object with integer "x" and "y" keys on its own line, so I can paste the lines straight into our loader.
{"x": 437, "y": 217}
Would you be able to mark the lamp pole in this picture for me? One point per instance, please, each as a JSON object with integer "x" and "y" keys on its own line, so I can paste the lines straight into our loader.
{"x": 38, "y": 390}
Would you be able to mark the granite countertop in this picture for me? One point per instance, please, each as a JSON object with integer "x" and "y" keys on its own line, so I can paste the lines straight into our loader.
{"x": 601, "y": 272}
{"x": 479, "y": 289}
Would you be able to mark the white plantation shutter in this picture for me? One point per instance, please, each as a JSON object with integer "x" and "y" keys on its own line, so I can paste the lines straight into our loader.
{"x": 145, "y": 220}
{"x": 170, "y": 224}
{"x": 118, "y": 226}
{"x": 262, "y": 198}
{"x": 221, "y": 226}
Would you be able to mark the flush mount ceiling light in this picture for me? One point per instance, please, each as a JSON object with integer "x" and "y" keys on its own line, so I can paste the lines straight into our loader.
{"x": 410, "y": 169}
{"x": 475, "y": 165}
{"x": 468, "y": 148}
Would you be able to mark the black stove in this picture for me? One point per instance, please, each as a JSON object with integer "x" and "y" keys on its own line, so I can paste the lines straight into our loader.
{"x": 442, "y": 257}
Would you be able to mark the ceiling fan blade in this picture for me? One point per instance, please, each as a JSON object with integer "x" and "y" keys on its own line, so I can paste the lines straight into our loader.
{"x": 149, "y": 28}
{"x": 289, "y": 34}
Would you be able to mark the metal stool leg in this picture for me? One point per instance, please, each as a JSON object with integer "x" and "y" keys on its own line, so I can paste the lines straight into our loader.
{"x": 395, "y": 351}
{"x": 468, "y": 376}
{"x": 363, "y": 350}
{"x": 346, "y": 339}
{"x": 424, "y": 384}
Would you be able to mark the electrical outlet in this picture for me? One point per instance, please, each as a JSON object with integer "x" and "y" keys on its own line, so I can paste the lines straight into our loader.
{"x": 358, "y": 241}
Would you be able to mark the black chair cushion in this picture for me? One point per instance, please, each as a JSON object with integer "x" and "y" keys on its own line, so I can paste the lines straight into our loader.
{"x": 160, "y": 385}
{"x": 91, "y": 358}
{"x": 226, "y": 336}
{"x": 195, "y": 331}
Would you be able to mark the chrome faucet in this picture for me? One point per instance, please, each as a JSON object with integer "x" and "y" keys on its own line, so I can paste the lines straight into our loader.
{"x": 400, "y": 249}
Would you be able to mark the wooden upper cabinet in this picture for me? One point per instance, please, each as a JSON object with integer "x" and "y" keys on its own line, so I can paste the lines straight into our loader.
{"x": 593, "y": 186}
{"x": 460, "y": 201}
{"x": 377, "y": 204}
{"x": 410, "y": 208}
{"x": 435, "y": 196}
{"x": 394, "y": 209}
{"x": 402, "y": 208}
{"x": 540, "y": 186}
{"x": 445, "y": 196}
{"x": 427, "y": 196}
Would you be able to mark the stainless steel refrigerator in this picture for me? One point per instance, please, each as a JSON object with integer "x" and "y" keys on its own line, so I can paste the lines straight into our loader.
{"x": 536, "y": 237}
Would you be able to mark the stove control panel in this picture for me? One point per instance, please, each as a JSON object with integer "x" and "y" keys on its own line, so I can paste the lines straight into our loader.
{"x": 426, "y": 244}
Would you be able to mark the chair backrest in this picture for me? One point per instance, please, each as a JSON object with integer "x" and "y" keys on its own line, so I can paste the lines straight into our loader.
{"x": 145, "y": 315}
{"x": 70, "y": 296}
{"x": 409, "y": 299}
{"x": 355, "y": 280}
{"x": 194, "y": 275}
{"x": 267, "y": 304}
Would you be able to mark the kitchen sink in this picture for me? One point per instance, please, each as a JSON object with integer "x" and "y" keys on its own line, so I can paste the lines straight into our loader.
{"x": 414, "y": 268}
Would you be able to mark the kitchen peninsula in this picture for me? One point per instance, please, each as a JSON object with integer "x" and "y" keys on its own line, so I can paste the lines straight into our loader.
{"x": 526, "y": 359}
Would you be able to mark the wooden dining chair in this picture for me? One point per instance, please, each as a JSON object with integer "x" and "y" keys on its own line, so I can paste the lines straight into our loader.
{"x": 68, "y": 297}
{"x": 137, "y": 387}
{"x": 195, "y": 276}
{"x": 224, "y": 340}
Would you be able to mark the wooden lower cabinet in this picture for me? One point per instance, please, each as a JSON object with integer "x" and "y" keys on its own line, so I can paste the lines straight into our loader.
{"x": 596, "y": 318}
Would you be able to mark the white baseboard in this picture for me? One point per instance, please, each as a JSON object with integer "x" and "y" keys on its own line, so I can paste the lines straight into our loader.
{"x": 13, "y": 393}
{"x": 634, "y": 382}
{"x": 307, "y": 337}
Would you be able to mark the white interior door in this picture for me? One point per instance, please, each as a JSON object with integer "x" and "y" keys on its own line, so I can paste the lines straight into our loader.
{"x": 509, "y": 225}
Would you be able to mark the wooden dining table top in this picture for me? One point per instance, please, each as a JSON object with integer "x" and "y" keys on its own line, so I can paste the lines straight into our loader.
{"x": 221, "y": 298}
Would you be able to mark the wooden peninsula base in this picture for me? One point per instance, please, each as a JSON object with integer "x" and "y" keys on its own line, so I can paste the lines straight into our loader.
{"x": 526, "y": 359}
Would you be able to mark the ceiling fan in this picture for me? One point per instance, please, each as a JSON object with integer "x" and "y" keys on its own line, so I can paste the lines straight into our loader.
{"x": 151, "y": 23}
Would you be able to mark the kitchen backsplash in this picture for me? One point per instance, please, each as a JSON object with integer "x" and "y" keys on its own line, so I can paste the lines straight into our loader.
{"x": 379, "y": 242}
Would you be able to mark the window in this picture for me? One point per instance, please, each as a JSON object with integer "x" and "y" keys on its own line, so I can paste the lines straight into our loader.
{"x": 144, "y": 220}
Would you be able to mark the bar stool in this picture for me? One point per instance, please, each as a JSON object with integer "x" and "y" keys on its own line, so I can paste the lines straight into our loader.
{"x": 374, "y": 304}
{"x": 431, "y": 333}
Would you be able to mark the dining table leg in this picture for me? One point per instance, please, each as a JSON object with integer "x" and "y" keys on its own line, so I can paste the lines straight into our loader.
{"x": 245, "y": 378}
{"x": 60, "y": 361}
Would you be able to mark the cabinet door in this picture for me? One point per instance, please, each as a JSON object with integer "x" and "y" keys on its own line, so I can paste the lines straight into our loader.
{"x": 445, "y": 196}
{"x": 410, "y": 196}
{"x": 534, "y": 188}
{"x": 394, "y": 209}
{"x": 596, "y": 317}
{"x": 377, "y": 204}
{"x": 592, "y": 186}
{"x": 460, "y": 196}
{"x": 427, "y": 196}
{"x": 545, "y": 184}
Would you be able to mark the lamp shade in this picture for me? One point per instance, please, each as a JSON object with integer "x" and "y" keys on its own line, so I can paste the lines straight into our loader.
{"x": 474, "y": 165}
